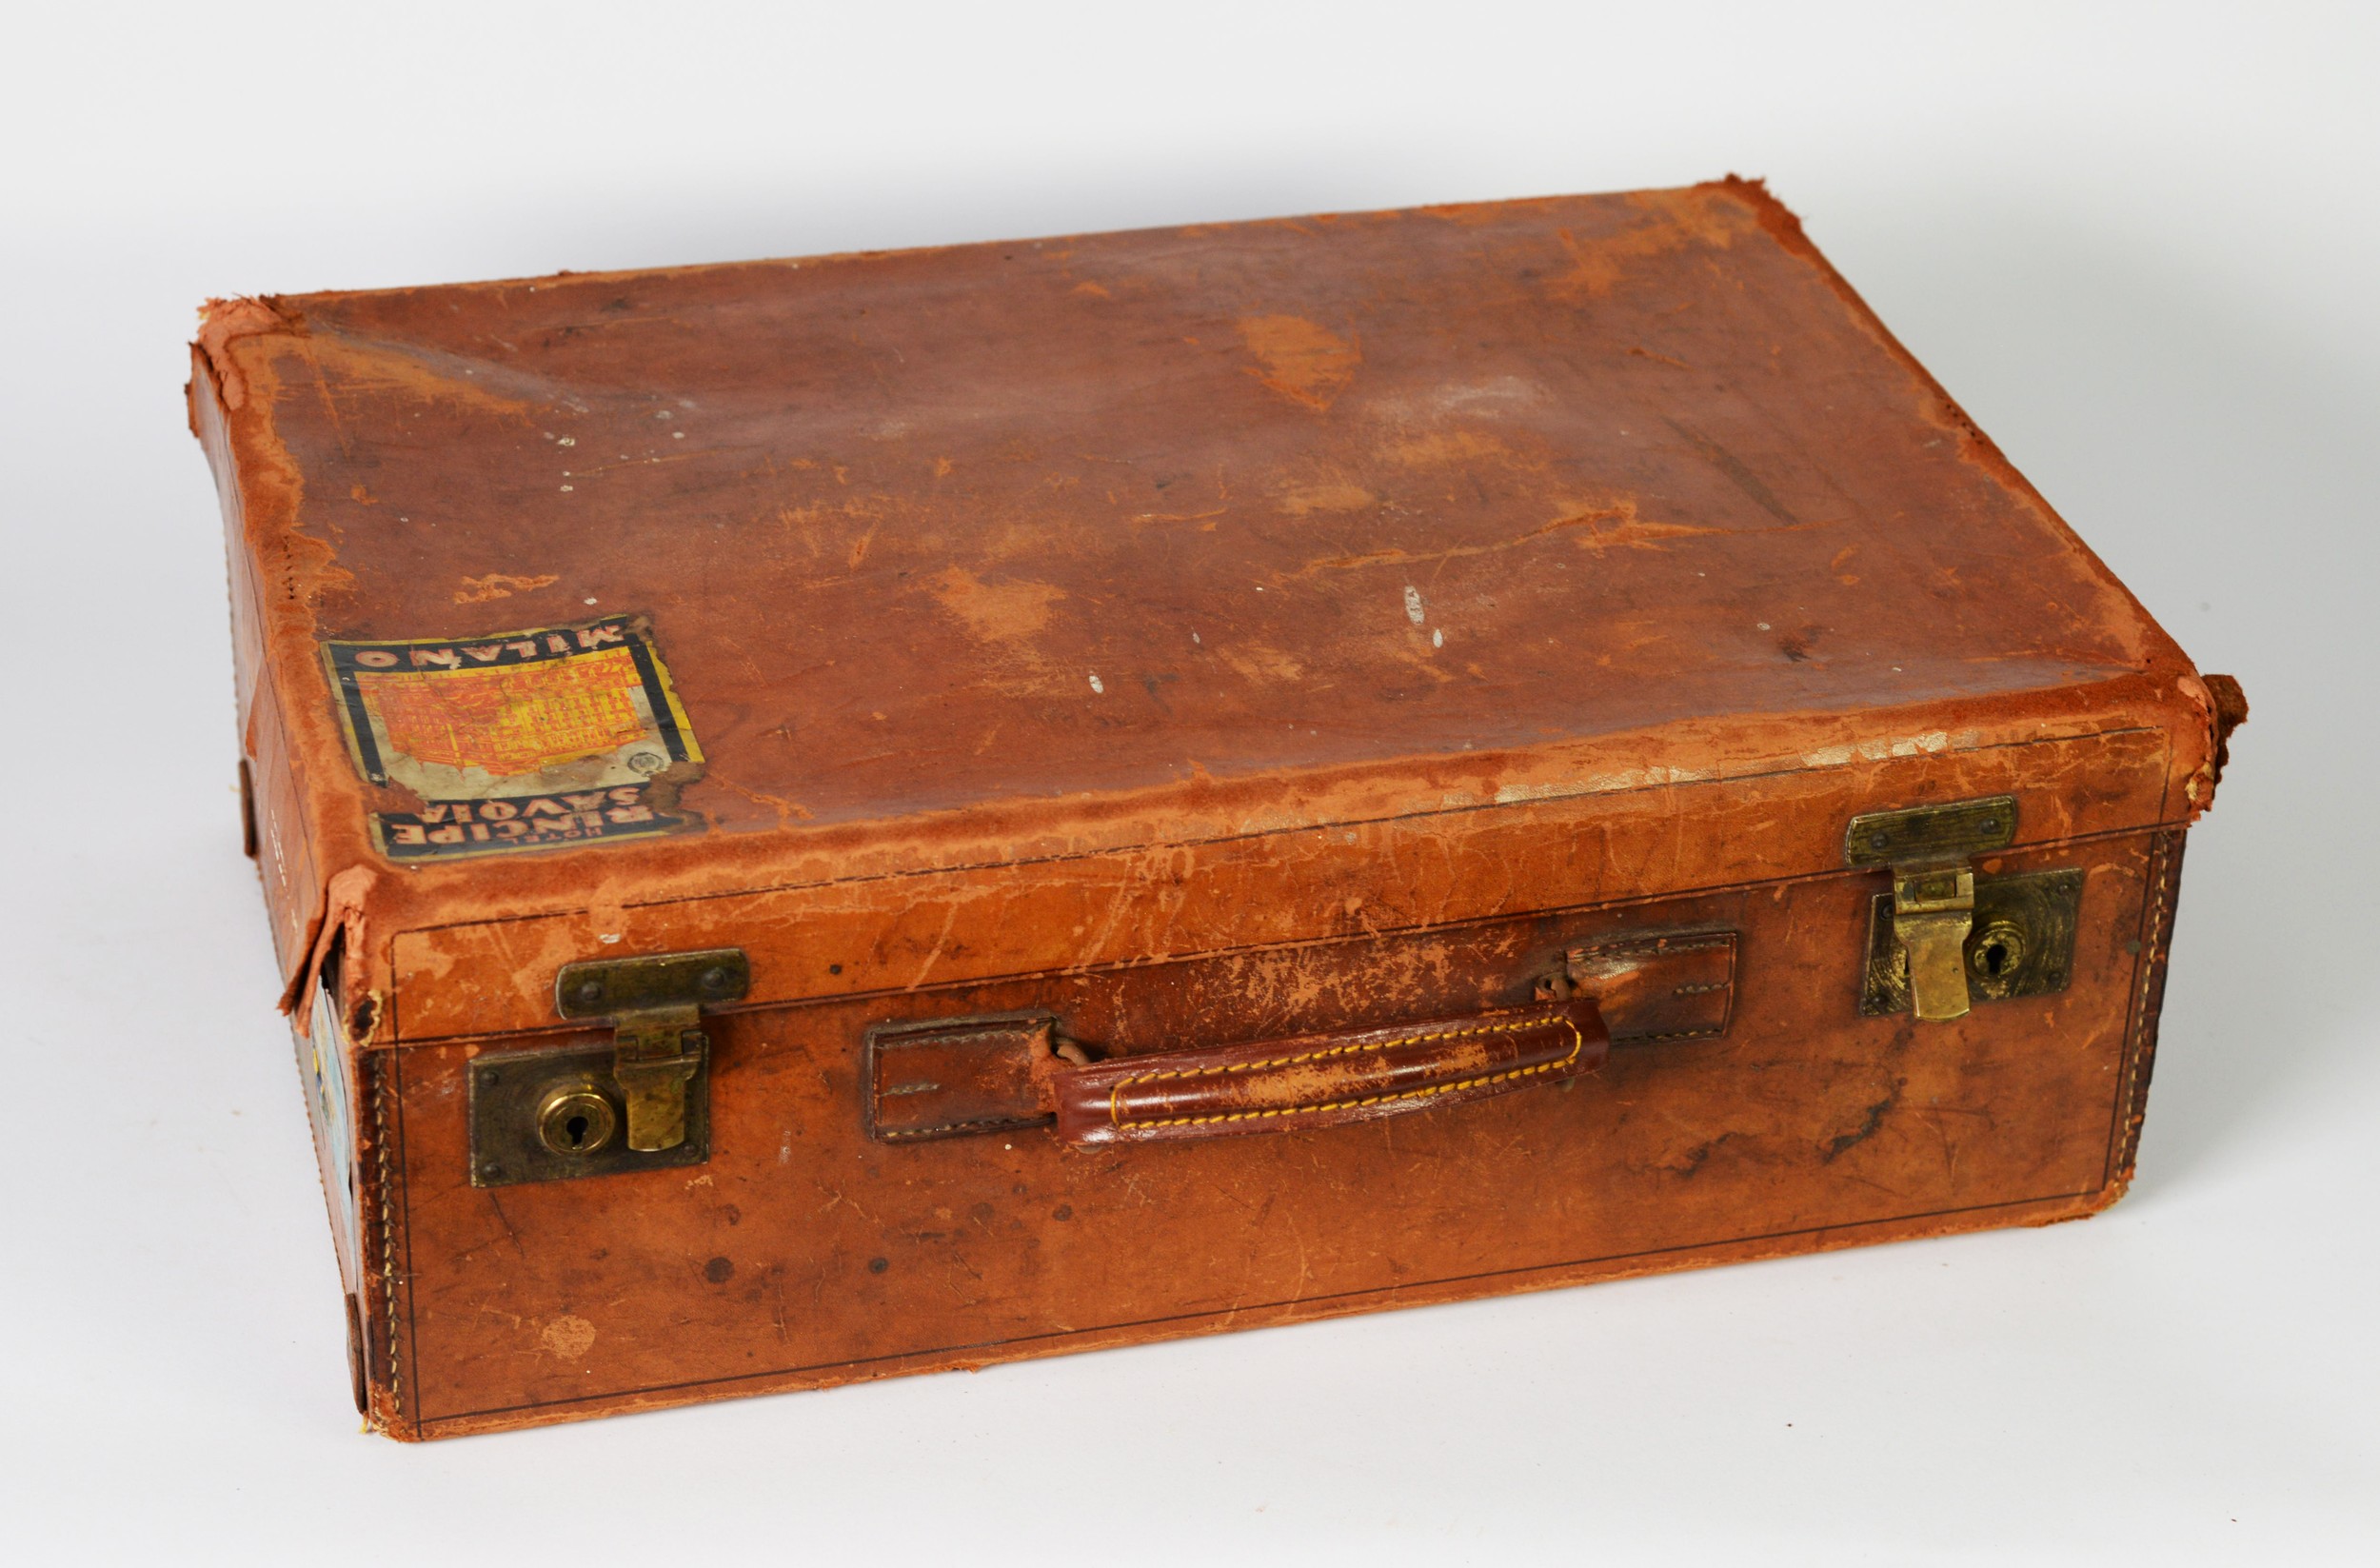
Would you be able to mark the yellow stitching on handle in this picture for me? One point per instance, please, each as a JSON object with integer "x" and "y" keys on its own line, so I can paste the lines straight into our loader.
{"x": 1341, "y": 1050}
{"x": 1577, "y": 1044}
{"x": 1114, "y": 1111}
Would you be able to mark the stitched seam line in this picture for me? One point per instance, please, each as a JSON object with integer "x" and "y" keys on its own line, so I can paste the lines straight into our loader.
{"x": 1577, "y": 1044}
{"x": 387, "y": 1236}
{"x": 1337, "y": 1050}
{"x": 2150, "y": 961}
{"x": 894, "y": 1134}
{"x": 1656, "y": 944}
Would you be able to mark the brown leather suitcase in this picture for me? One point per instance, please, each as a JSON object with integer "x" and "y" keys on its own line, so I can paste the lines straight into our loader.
{"x": 898, "y": 811}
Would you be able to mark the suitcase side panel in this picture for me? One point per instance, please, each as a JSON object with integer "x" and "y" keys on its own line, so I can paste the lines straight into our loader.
{"x": 275, "y": 787}
{"x": 1274, "y": 1315}
{"x": 805, "y": 1253}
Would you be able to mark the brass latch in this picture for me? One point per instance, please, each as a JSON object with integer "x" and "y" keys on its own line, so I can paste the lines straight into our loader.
{"x": 1930, "y": 849}
{"x": 640, "y": 1104}
{"x": 655, "y": 1006}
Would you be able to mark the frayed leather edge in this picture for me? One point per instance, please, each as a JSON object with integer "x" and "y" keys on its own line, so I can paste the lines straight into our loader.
{"x": 344, "y": 898}
{"x": 220, "y": 321}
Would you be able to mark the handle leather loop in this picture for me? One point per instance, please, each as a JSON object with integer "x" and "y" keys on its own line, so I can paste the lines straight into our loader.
{"x": 1318, "y": 1081}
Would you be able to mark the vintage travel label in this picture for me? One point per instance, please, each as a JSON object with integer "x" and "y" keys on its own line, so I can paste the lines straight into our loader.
{"x": 520, "y": 740}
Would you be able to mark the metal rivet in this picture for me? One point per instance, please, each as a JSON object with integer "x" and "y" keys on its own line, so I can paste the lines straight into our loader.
{"x": 589, "y": 992}
{"x": 715, "y": 977}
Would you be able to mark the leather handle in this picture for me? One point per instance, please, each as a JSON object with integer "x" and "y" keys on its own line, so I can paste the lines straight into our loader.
{"x": 923, "y": 1080}
{"x": 1318, "y": 1081}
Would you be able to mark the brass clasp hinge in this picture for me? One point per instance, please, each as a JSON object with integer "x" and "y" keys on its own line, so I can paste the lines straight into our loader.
{"x": 640, "y": 1104}
{"x": 1930, "y": 849}
{"x": 655, "y": 1006}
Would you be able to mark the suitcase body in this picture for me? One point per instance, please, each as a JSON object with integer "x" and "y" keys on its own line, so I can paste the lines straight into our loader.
{"x": 895, "y": 812}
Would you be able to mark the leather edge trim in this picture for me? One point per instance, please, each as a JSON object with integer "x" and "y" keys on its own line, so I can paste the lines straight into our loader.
{"x": 383, "y": 1325}
{"x": 2164, "y": 894}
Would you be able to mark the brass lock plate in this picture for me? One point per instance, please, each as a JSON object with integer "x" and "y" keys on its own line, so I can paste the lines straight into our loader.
{"x": 553, "y": 1116}
{"x": 2022, "y": 944}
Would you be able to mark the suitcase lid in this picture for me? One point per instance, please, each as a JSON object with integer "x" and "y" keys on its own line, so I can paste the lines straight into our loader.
{"x": 613, "y": 589}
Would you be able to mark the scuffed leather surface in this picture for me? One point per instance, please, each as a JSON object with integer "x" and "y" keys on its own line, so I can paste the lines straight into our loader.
{"x": 1668, "y": 503}
{"x": 859, "y": 935}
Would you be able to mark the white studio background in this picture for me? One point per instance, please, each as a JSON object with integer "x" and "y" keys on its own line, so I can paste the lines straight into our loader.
{"x": 2137, "y": 241}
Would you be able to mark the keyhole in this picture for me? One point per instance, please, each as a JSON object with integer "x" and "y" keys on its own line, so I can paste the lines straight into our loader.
{"x": 576, "y": 1118}
{"x": 1998, "y": 949}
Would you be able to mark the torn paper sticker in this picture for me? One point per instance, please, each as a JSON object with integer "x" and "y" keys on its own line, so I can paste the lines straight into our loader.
{"x": 519, "y": 739}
